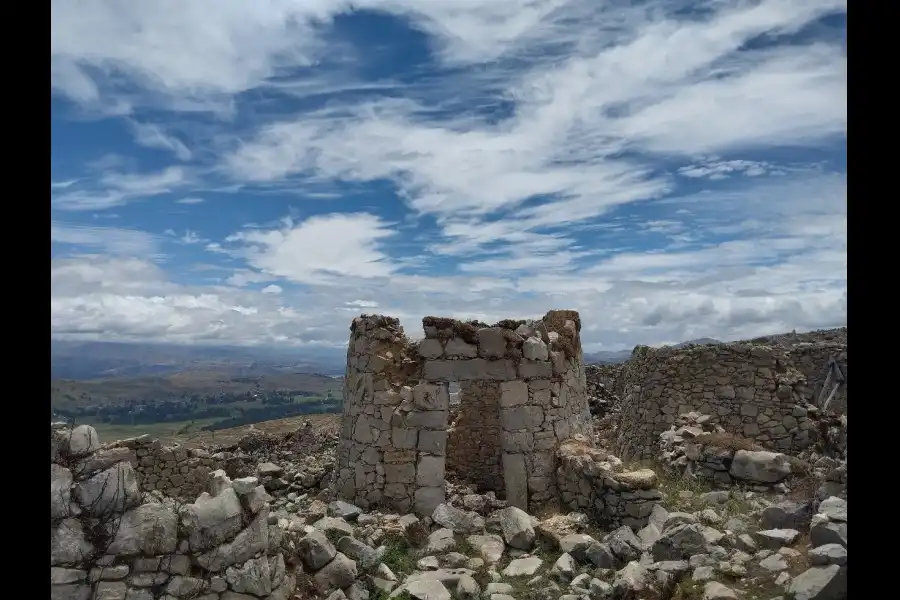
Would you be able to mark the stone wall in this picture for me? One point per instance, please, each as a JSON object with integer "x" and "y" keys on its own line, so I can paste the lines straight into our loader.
{"x": 475, "y": 449}
{"x": 523, "y": 382}
{"x": 109, "y": 540}
{"x": 591, "y": 480}
{"x": 175, "y": 471}
{"x": 750, "y": 390}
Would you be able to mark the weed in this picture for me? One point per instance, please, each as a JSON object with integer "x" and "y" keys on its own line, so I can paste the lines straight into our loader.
{"x": 398, "y": 556}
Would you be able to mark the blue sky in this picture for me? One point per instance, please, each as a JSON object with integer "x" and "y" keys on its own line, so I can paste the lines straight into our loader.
{"x": 261, "y": 172}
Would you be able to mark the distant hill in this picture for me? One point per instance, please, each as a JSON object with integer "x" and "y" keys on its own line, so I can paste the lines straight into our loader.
{"x": 184, "y": 384}
{"x": 615, "y": 357}
{"x": 95, "y": 360}
{"x": 697, "y": 342}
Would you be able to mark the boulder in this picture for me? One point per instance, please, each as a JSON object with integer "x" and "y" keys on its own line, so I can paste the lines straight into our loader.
{"x": 316, "y": 550}
{"x": 212, "y": 520}
{"x": 759, "y": 466}
{"x": 149, "y": 529}
{"x": 113, "y": 490}
{"x": 517, "y": 527}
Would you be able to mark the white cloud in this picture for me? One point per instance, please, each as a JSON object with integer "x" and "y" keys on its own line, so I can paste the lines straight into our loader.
{"x": 116, "y": 189}
{"x": 106, "y": 239}
{"x": 679, "y": 89}
{"x": 573, "y": 199}
{"x": 318, "y": 249}
{"x": 152, "y": 136}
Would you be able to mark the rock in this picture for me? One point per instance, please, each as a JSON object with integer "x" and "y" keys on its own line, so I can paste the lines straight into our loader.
{"x": 827, "y": 532}
{"x": 624, "y": 544}
{"x": 746, "y": 543}
{"x": 439, "y": 541}
{"x": 316, "y": 551}
{"x": 365, "y": 556}
{"x": 564, "y": 568}
{"x": 774, "y": 563}
{"x": 820, "y": 583}
{"x": 344, "y": 510}
{"x": 523, "y": 566}
{"x": 599, "y": 590}
{"x": 759, "y": 466}
{"x": 428, "y": 563}
{"x": 631, "y": 579}
{"x": 517, "y": 528}
{"x": 679, "y": 542}
{"x": 253, "y": 577}
{"x": 834, "y": 509}
{"x": 60, "y": 491}
{"x": 460, "y": 521}
{"x": 110, "y": 590}
{"x": 467, "y": 588}
{"x": 784, "y": 515}
{"x": 709, "y": 516}
{"x": 489, "y": 547}
{"x": 267, "y": 469}
{"x": 252, "y": 539}
{"x": 71, "y": 592}
{"x": 424, "y": 589}
{"x": 339, "y": 573}
{"x": 357, "y": 592}
{"x": 534, "y": 348}
{"x": 497, "y": 588}
{"x": 212, "y": 520}
{"x": 113, "y": 490}
{"x": 244, "y": 485}
{"x": 737, "y": 525}
{"x": 83, "y": 440}
{"x": 828, "y": 554}
{"x": 453, "y": 560}
{"x": 333, "y": 526}
{"x": 150, "y": 529}
{"x": 773, "y": 539}
{"x": 714, "y": 590}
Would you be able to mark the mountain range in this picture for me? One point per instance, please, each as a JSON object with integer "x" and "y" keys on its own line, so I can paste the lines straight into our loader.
{"x": 99, "y": 360}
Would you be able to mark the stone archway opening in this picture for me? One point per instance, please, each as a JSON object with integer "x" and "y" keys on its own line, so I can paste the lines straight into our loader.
{"x": 523, "y": 393}
{"x": 474, "y": 437}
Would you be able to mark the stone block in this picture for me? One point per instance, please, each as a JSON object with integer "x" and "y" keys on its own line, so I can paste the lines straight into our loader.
{"x": 492, "y": 342}
{"x": 430, "y": 471}
{"x": 515, "y": 479}
{"x": 513, "y": 393}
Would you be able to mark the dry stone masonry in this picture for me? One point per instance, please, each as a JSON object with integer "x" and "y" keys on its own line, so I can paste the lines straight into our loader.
{"x": 523, "y": 393}
{"x": 694, "y": 447}
{"x": 750, "y": 390}
{"x": 593, "y": 481}
{"x": 175, "y": 471}
{"x": 111, "y": 541}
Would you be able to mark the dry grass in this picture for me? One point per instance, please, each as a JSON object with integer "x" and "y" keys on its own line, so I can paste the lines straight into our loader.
{"x": 728, "y": 441}
{"x": 329, "y": 423}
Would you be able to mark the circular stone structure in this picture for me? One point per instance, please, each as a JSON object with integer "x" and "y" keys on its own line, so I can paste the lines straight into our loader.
{"x": 523, "y": 393}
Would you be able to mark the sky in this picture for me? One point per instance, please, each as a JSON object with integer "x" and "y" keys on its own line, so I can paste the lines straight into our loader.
{"x": 259, "y": 173}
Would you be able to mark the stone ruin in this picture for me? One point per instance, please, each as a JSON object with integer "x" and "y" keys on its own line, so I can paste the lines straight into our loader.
{"x": 755, "y": 391}
{"x": 111, "y": 538}
{"x": 522, "y": 386}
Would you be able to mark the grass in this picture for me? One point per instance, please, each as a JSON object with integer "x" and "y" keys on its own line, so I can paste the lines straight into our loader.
{"x": 399, "y": 556}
